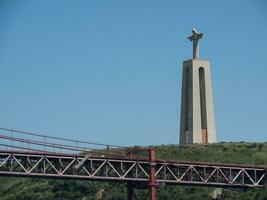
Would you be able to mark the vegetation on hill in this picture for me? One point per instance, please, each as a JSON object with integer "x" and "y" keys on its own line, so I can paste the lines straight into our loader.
{"x": 49, "y": 189}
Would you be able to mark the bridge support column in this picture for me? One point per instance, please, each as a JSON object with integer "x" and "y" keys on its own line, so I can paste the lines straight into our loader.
{"x": 129, "y": 192}
{"x": 152, "y": 177}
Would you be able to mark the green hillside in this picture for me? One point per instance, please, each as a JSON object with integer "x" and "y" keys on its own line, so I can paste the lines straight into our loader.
{"x": 242, "y": 153}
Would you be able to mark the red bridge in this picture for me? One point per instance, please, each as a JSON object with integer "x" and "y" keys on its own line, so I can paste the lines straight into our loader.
{"x": 138, "y": 172}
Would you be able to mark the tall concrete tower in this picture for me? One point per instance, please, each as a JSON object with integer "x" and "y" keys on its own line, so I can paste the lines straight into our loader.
{"x": 197, "y": 123}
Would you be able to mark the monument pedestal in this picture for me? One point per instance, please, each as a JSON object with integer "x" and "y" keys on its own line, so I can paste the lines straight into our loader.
{"x": 197, "y": 123}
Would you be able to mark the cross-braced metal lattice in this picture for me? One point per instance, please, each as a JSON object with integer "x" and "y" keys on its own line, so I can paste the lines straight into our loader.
{"x": 129, "y": 170}
{"x": 210, "y": 174}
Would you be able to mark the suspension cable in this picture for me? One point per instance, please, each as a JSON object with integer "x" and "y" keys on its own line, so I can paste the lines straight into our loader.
{"x": 62, "y": 139}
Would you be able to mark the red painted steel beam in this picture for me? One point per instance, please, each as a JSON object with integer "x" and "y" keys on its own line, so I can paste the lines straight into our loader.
{"x": 152, "y": 175}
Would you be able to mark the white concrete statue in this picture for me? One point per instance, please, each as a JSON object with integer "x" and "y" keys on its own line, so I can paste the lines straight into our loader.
{"x": 195, "y": 37}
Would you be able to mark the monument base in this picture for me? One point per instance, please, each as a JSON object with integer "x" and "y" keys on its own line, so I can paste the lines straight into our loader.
{"x": 197, "y": 123}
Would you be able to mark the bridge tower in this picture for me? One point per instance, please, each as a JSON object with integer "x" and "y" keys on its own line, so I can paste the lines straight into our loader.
{"x": 197, "y": 123}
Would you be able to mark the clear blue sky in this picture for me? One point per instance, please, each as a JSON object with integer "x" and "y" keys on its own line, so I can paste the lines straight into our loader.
{"x": 110, "y": 71}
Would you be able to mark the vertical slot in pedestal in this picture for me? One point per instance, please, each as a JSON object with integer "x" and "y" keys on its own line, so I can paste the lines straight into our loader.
{"x": 203, "y": 107}
{"x": 186, "y": 113}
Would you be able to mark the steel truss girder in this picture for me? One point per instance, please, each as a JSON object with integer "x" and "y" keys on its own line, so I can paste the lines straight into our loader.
{"x": 128, "y": 170}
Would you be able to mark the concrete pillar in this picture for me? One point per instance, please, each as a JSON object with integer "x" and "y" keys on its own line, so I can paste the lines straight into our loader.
{"x": 197, "y": 123}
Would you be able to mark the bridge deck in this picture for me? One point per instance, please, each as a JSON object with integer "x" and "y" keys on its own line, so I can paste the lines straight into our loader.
{"x": 38, "y": 164}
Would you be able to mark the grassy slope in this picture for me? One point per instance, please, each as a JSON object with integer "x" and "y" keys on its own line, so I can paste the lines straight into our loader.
{"x": 239, "y": 153}
{"x": 42, "y": 189}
